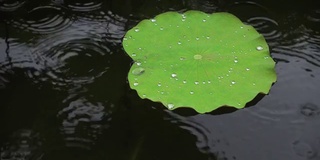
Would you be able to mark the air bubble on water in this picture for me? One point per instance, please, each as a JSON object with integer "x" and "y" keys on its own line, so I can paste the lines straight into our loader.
{"x": 191, "y": 92}
{"x": 159, "y": 84}
{"x": 259, "y": 48}
{"x": 136, "y": 30}
{"x": 184, "y": 81}
{"x": 153, "y": 20}
{"x": 173, "y": 75}
{"x": 196, "y": 82}
{"x": 170, "y": 106}
{"x": 135, "y": 83}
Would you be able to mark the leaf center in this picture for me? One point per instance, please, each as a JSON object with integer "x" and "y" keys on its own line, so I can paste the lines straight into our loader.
{"x": 197, "y": 57}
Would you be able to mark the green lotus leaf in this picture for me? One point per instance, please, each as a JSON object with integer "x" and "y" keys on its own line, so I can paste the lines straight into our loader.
{"x": 198, "y": 60}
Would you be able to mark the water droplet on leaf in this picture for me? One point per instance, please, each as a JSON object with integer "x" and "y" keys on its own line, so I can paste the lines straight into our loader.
{"x": 170, "y": 106}
{"x": 138, "y": 71}
{"x": 259, "y": 48}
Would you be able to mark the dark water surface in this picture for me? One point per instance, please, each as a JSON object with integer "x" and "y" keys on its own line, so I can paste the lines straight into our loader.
{"x": 64, "y": 95}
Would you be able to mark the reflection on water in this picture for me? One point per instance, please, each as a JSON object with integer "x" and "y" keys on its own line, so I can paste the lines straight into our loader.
{"x": 64, "y": 93}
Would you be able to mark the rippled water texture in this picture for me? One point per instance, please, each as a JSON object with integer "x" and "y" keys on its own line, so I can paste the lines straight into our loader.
{"x": 64, "y": 91}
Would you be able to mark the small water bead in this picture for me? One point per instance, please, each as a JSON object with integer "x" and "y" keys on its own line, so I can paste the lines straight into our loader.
{"x": 170, "y": 106}
{"x": 136, "y": 30}
{"x": 133, "y": 55}
{"x": 179, "y": 42}
{"x": 138, "y": 63}
{"x": 135, "y": 83}
{"x": 191, "y": 92}
{"x": 184, "y": 81}
{"x": 204, "y": 20}
{"x": 235, "y": 61}
{"x": 143, "y": 95}
{"x": 233, "y": 82}
{"x": 161, "y": 28}
{"x": 125, "y": 38}
{"x": 208, "y": 37}
{"x": 247, "y": 69}
{"x": 139, "y": 48}
{"x": 259, "y": 48}
{"x": 182, "y": 58}
{"x": 159, "y": 84}
{"x": 153, "y": 20}
{"x": 209, "y": 82}
{"x": 204, "y": 82}
{"x": 173, "y": 75}
{"x": 196, "y": 82}
{"x": 197, "y": 38}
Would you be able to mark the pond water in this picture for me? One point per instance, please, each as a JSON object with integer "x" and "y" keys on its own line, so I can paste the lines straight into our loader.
{"x": 64, "y": 91}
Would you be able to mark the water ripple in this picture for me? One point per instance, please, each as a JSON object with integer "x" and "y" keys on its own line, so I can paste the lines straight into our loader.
{"x": 267, "y": 27}
{"x": 43, "y": 20}
{"x": 12, "y": 6}
{"x": 82, "y": 122}
{"x": 24, "y": 144}
{"x": 85, "y": 6}
{"x": 72, "y": 62}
